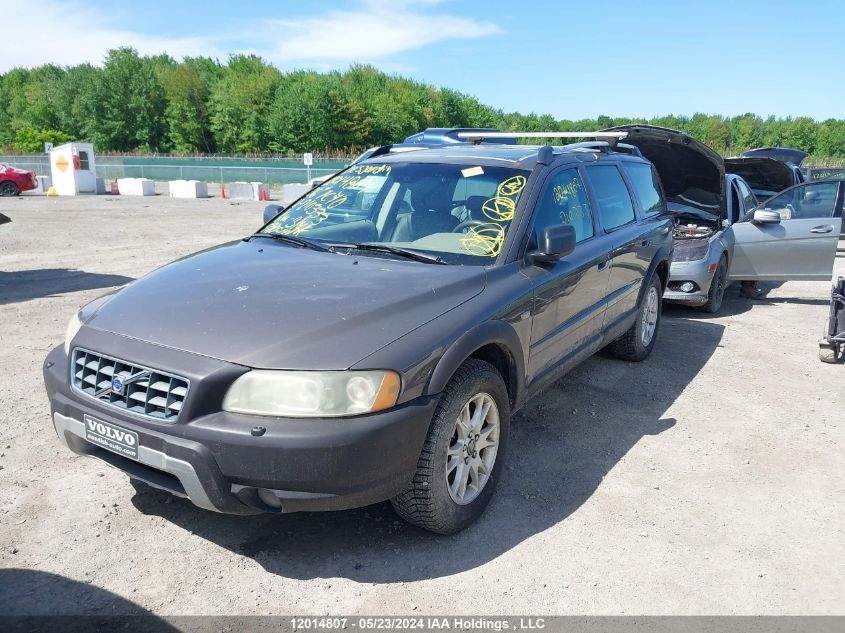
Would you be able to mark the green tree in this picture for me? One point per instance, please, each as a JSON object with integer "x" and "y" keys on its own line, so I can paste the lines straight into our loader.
{"x": 746, "y": 132}
{"x": 246, "y": 106}
{"x": 130, "y": 109}
{"x": 187, "y": 87}
{"x": 239, "y": 103}
{"x": 32, "y": 141}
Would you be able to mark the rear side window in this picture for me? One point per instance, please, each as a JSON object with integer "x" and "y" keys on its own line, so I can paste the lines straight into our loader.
{"x": 615, "y": 206}
{"x": 564, "y": 202}
{"x": 646, "y": 187}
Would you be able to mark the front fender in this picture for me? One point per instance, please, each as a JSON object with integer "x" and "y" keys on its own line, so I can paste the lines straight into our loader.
{"x": 497, "y": 332}
{"x": 664, "y": 254}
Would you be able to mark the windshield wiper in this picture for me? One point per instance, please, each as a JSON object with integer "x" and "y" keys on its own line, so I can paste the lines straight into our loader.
{"x": 393, "y": 250}
{"x": 292, "y": 239}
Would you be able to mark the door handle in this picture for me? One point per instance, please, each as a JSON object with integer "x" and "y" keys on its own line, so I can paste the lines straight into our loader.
{"x": 823, "y": 228}
{"x": 645, "y": 243}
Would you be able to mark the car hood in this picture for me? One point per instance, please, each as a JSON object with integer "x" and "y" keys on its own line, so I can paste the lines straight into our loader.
{"x": 761, "y": 173}
{"x": 783, "y": 154}
{"x": 268, "y": 305}
{"x": 692, "y": 173}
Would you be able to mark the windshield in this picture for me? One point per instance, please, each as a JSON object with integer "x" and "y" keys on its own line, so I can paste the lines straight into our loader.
{"x": 460, "y": 213}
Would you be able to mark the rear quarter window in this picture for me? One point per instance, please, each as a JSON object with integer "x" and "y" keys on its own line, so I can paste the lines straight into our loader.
{"x": 614, "y": 202}
{"x": 646, "y": 187}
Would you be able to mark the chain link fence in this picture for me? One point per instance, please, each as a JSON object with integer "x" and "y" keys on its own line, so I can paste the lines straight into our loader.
{"x": 214, "y": 170}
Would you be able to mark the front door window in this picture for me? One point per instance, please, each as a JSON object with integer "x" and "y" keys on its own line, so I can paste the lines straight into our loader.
{"x": 812, "y": 200}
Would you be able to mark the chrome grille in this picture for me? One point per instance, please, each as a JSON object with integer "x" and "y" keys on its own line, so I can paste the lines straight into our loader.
{"x": 146, "y": 392}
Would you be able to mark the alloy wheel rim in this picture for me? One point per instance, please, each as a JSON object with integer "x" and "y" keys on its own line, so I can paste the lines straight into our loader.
{"x": 472, "y": 449}
{"x": 649, "y": 318}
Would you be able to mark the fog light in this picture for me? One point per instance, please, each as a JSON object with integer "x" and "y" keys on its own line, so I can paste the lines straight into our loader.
{"x": 687, "y": 286}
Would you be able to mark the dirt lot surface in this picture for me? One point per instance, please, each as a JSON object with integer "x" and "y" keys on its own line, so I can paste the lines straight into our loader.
{"x": 708, "y": 479}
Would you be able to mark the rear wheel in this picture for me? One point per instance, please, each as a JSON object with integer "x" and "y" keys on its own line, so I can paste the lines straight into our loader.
{"x": 636, "y": 344}
{"x": 463, "y": 452}
{"x": 8, "y": 188}
{"x": 717, "y": 288}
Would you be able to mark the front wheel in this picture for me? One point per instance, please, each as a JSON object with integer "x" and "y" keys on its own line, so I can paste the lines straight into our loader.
{"x": 8, "y": 188}
{"x": 463, "y": 452}
{"x": 636, "y": 344}
{"x": 717, "y": 288}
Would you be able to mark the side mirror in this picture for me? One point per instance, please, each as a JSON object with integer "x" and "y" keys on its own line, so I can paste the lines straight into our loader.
{"x": 556, "y": 241}
{"x": 766, "y": 216}
{"x": 271, "y": 211}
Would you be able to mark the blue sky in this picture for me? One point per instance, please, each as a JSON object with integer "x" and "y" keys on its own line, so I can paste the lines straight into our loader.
{"x": 571, "y": 59}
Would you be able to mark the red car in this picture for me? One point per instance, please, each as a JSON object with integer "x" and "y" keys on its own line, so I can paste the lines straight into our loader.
{"x": 14, "y": 180}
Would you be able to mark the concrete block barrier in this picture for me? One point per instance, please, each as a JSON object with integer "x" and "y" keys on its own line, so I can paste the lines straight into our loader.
{"x": 44, "y": 183}
{"x": 293, "y": 192}
{"x": 188, "y": 189}
{"x": 136, "y": 187}
{"x": 246, "y": 190}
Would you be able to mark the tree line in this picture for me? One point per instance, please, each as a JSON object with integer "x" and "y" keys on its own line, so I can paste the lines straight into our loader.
{"x": 135, "y": 103}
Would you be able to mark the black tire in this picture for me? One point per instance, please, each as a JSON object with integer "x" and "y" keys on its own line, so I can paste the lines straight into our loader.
{"x": 631, "y": 346}
{"x": 716, "y": 294}
{"x": 8, "y": 188}
{"x": 427, "y": 501}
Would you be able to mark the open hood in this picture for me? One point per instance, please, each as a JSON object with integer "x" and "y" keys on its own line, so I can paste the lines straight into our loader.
{"x": 783, "y": 154}
{"x": 763, "y": 175}
{"x": 692, "y": 173}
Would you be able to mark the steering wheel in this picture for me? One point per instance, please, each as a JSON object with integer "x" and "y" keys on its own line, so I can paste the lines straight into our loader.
{"x": 466, "y": 224}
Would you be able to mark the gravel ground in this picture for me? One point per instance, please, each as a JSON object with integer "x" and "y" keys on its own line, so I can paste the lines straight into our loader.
{"x": 709, "y": 479}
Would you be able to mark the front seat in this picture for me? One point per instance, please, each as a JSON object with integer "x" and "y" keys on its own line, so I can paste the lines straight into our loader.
{"x": 425, "y": 219}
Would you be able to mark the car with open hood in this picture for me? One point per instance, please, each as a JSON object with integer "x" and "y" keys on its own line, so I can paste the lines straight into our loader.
{"x": 721, "y": 231}
{"x": 765, "y": 176}
{"x": 788, "y": 155}
{"x": 372, "y": 340}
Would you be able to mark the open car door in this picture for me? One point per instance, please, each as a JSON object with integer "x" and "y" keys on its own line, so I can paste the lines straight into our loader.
{"x": 792, "y": 235}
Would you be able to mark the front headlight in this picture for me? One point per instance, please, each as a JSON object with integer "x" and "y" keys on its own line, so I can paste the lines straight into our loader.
{"x": 690, "y": 250}
{"x": 73, "y": 327}
{"x": 312, "y": 394}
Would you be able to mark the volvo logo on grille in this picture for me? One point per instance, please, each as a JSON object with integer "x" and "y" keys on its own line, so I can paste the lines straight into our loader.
{"x": 117, "y": 385}
{"x": 120, "y": 382}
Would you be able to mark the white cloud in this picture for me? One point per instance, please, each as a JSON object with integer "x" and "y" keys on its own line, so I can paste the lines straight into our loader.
{"x": 67, "y": 32}
{"x": 377, "y": 31}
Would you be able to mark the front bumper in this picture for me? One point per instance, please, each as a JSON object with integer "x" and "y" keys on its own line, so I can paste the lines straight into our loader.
{"x": 694, "y": 271}
{"x": 214, "y": 459}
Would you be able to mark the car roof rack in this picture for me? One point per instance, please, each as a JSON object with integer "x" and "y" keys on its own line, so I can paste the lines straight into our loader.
{"x": 450, "y": 135}
{"x": 612, "y": 138}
